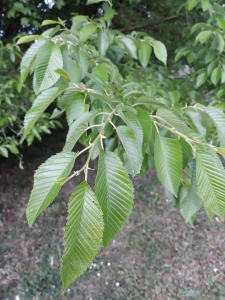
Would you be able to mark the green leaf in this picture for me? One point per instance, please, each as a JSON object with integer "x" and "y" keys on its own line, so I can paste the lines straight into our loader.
{"x": 173, "y": 120}
{"x": 39, "y": 106}
{"x": 218, "y": 118}
{"x": 28, "y": 38}
{"x": 93, "y": 1}
{"x": 78, "y": 127}
{"x": 83, "y": 61}
{"x": 221, "y": 23}
{"x": 203, "y": 36}
{"x": 216, "y": 75}
{"x": 114, "y": 192}
{"x": 87, "y": 31}
{"x": 168, "y": 162}
{"x": 133, "y": 122}
{"x": 49, "y": 58}
{"x": 146, "y": 124}
{"x": 3, "y": 152}
{"x": 211, "y": 182}
{"x": 174, "y": 96}
{"x": 103, "y": 42}
{"x": 79, "y": 21}
{"x": 192, "y": 3}
{"x": 220, "y": 41}
{"x": 83, "y": 233}
{"x": 144, "y": 53}
{"x": 201, "y": 79}
{"x": 12, "y": 148}
{"x": 63, "y": 73}
{"x": 45, "y": 188}
{"x": 49, "y": 22}
{"x": 191, "y": 203}
{"x": 130, "y": 46}
{"x": 132, "y": 148}
{"x": 76, "y": 108}
{"x": 160, "y": 51}
{"x": 206, "y": 5}
{"x": 29, "y": 58}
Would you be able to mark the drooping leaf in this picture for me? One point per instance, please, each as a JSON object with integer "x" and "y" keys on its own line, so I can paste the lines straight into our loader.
{"x": 146, "y": 124}
{"x": 216, "y": 75}
{"x": 130, "y": 46}
{"x": 87, "y": 31}
{"x": 203, "y": 36}
{"x": 114, "y": 192}
{"x": 63, "y": 73}
{"x": 49, "y": 58}
{"x": 132, "y": 148}
{"x": 103, "y": 42}
{"x": 78, "y": 127}
{"x": 133, "y": 123}
{"x": 28, "y": 38}
{"x": 191, "y": 203}
{"x": 29, "y": 58}
{"x": 168, "y": 162}
{"x": 144, "y": 53}
{"x": 211, "y": 182}
{"x": 160, "y": 51}
{"x": 83, "y": 233}
{"x": 201, "y": 79}
{"x": 218, "y": 118}
{"x": 39, "y": 106}
{"x": 45, "y": 187}
{"x": 76, "y": 108}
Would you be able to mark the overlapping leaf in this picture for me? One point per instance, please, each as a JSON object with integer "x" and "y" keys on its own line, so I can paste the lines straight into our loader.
{"x": 168, "y": 162}
{"x": 49, "y": 58}
{"x": 39, "y": 106}
{"x": 132, "y": 148}
{"x": 45, "y": 187}
{"x": 114, "y": 192}
{"x": 211, "y": 182}
{"x": 83, "y": 233}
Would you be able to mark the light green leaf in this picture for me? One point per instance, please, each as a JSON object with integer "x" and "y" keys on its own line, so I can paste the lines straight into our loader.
{"x": 49, "y": 58}
{"x": 211, "y": 182}
{"x": 87, "y": 31}
{"x": 78, "y": 127}
{"x": 221, "y": 23}
{"x": 130, "y": 46}
{"x": 192, "y": 3}
{"x": 49, "y": 22}
{"x": 174, "y": 121}
{"x": 144, "y": 53}
{"x": 83, "y": 233}
{"x": 76, "y": 108}
{"x": 63, "y": 73}
{"x": 191, "y": 203}
{"x": 28, "y": 38}
{"x": 133, "y": 122}
{"x": 45, "y": 188}
{"x": 103, "y": 42}
{"x": 3, "y": 152}
{"x": 146, "y": 124}
{"x": 218, "y": 117}
{"x": 94, "y": 1}
{"x": 12, "y": 148}
{"x": 168, "y": 162}
{"x": 174, "y": 96}
{"x": 132, "y": 148}
{"x": 216, "y": 75}
{"x": 29, "y": 58}
{"x": 206, "y": 5}
{"x": 79, "y": 21}
{"x": 203, "y": 36}
{"x": 201, "y": 79}
{"x": 39, "y": 106}
{"x": 83, "y": 61}
{"x": 160, "y": 51}
{"x": 114, "y": 192}
{"x": 220, "y": 41}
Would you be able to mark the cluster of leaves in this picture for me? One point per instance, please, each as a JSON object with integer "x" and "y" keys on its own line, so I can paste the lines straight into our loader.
{"x": 105, "y": 88}
{"x": 15, "y": 100}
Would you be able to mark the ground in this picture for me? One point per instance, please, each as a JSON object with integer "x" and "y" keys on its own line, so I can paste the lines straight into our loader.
{"x": 156, "y": 256}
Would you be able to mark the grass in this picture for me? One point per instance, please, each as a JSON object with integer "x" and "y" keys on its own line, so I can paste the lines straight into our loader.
{"x": 155, "y": 256}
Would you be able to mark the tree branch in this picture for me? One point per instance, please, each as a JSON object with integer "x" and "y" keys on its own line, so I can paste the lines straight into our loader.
{"x": 148, "y": 24}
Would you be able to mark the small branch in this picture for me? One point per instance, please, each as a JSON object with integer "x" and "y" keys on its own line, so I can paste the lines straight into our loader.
{"x": 148, "y": 24}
